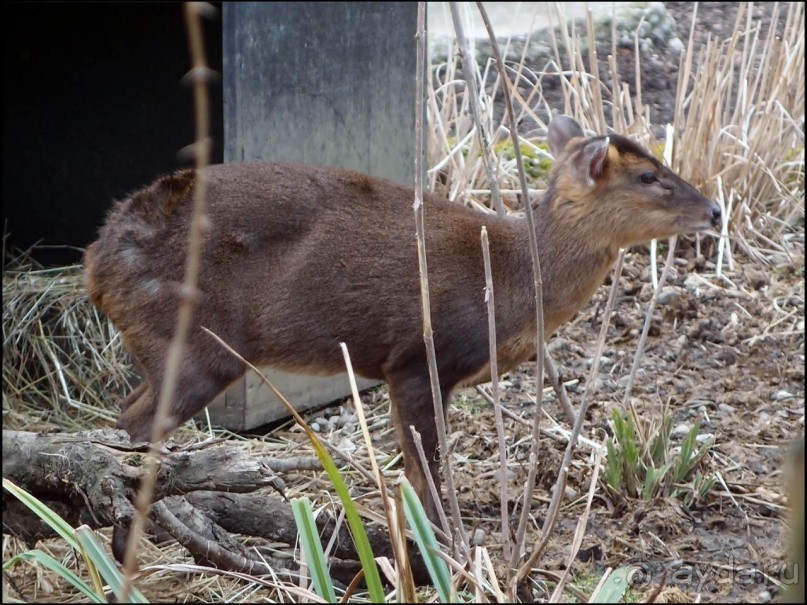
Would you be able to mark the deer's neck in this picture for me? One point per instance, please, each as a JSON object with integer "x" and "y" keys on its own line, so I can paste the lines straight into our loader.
{"x": 575, "y": 256}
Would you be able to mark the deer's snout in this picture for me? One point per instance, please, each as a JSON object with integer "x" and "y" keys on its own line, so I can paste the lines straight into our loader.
{"x": 715, "y": 215}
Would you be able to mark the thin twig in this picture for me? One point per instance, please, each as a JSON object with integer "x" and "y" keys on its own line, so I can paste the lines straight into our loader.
{"x": 199, "y": 76}
{"x": 560, "y": 483}
{"x": 648, "y": 318}
{"x": 497, "y": 404}
{"x": 539, "y": 298}
{"x": 428, "y": 334}
{"x": 418, "y": 441}
{"x": 469, "y": 71}
{"x": 560, "y": 389}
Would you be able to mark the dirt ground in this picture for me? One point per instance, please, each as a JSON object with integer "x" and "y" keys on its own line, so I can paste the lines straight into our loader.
{"x": 730, "y": 355}
{"x": 725, "y": 356}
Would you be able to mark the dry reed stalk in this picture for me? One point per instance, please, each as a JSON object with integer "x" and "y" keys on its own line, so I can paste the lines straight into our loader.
{"x": 404, "y": 580}
{"x": 497, "y": 404}
{"x": 469, "y": 73}
{"x": 428, "y": 334}
{"x": 199, "y": 76}
{"x": 453, "y": 143}
{"x": 424, "y": 463}
{"x": 538, "y": 289}
{"x": 764, "y": 104}
{"x": 745, "y": 113}
{"x": 560, "y": 483}
{"x": 580, "y": 530}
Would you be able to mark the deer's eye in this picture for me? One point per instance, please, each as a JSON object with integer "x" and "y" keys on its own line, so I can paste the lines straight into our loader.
{"x": 648, "y": 178}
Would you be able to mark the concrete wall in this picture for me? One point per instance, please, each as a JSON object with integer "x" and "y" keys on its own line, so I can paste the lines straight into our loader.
{"x": 327, "y": 83}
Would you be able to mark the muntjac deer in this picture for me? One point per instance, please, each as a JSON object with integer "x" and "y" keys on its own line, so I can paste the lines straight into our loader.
{"x": 297, "y": 259}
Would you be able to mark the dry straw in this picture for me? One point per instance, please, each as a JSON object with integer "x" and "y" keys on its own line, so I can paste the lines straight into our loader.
{"x": 740, "y": 115}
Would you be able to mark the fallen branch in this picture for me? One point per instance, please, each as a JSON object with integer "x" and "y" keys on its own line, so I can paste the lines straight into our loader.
{"x": 204, "y": 493}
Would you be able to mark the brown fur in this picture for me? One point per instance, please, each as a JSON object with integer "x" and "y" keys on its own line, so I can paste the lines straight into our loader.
{"x": 300, "y": 258}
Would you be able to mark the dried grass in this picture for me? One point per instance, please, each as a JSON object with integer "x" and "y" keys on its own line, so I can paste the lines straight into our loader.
{"x": 61, "y": 357}
{"x": 740, "y": 105}
{"x": 742, "y": 110}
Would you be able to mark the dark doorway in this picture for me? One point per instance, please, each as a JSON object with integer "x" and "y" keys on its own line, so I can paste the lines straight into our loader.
{"x": 93, "y": 108}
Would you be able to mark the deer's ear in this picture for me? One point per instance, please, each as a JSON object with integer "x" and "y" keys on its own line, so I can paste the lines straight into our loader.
{"x": 561, "y": 130}
{"x": 589, "y": 162}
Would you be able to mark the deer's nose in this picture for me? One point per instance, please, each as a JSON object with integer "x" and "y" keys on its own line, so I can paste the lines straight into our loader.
{"x": 715, "y": 215}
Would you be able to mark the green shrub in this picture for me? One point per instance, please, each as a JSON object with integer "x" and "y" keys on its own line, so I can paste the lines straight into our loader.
{"x": 653, "y": 466}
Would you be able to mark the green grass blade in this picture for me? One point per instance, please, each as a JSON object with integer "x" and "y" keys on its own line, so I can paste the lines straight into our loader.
{"x": 630, "y": 447}
{"x": 365, "y": 552}
{"x": 82, "y": 540}
{"x": 614, "y": 587}
{"x": 690, "y": 454}
{"x": 661, "y": 444}
{"x": 45, "y": 560}
{"x": 36, "y": 506}
{"x": 613, "y": 472}
{"x": 625, "y": 440}
{"x": 371, "y": 575}
{"x": 427, "y": 543}
{"x": 105, "y": 565}
{"x": 653, "y": 482}
{"x": 312, "y": 549}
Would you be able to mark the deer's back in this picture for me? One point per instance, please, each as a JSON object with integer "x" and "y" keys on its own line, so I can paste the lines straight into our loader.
{"x": 295, "y": 260}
